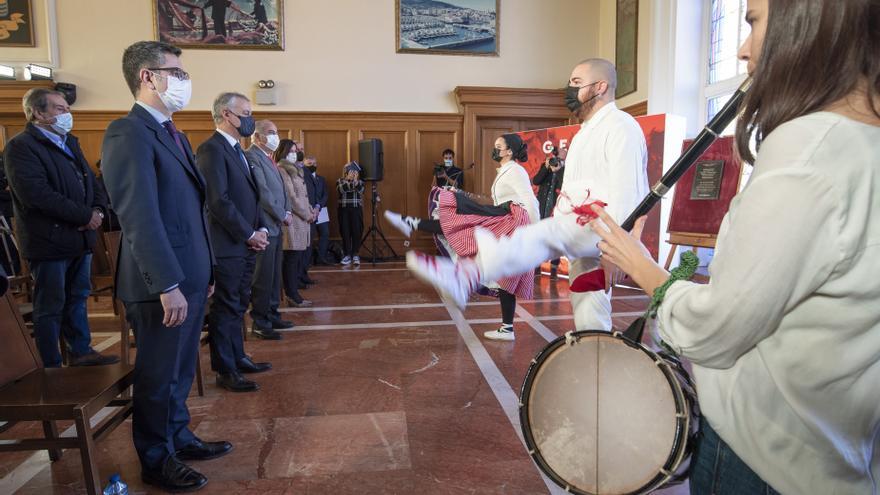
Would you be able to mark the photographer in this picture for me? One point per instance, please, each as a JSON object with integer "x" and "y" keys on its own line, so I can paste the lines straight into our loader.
{"x": 447, "y": 174}
{"x": 549, "y": 181}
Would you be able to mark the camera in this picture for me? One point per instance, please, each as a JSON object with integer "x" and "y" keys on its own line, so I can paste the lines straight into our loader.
{"x": 554, "y": 160}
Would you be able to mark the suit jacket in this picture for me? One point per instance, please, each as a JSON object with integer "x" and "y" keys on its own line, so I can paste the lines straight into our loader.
{"x": 311, "y": 187}
{"x": 233, "y": 197}
{"x": 159, "y": 196}
{"x": 321, "y": 192}
{"x": 273, "y": 201}
{"x": 53, "y": 195}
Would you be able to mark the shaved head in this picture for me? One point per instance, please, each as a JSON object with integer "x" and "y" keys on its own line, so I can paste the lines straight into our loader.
{"x": 600, "y": 69}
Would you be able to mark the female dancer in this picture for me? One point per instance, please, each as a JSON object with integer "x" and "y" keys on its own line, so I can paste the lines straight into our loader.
{"x": 514, "y": 205}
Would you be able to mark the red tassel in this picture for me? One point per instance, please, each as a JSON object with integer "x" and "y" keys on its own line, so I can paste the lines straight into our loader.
{"x": 584, "y": 211}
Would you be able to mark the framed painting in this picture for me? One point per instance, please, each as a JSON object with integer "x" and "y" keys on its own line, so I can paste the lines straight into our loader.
{"x": 626, "y": 46}
{"x": 16, "y": 23}
{"x": 221, "y": 24}
{"x": 449, "y": 27}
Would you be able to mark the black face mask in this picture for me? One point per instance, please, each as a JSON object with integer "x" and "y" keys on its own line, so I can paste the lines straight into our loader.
{"x": 300, "y": 156}
{"x": 496, "y": 155}
{"x": 246, "y": 126}
{"x": 571, "y": 97}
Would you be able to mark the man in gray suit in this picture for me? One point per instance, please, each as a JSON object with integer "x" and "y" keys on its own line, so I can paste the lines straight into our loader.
{"x": 275, "y": 211}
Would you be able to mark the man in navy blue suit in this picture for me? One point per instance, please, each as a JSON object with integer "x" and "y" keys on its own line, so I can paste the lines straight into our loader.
{"x": 164, "y": 273}
{"x": 237, "y": 234}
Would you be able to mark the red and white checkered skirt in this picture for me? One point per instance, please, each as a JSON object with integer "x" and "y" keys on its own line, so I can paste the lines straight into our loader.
{"x": 458, "y": 228}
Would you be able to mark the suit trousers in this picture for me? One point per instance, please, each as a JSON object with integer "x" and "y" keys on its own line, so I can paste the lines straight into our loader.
{"x": 291, "y": 274}
{"x": 163, "y": 375}
{"x": 323, "y": 230}
{"x": 232, "y": 293}
{"x": 266, "y": 285}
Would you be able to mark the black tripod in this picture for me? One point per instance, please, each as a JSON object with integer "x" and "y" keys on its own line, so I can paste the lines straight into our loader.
{"x": 375, "y": 229}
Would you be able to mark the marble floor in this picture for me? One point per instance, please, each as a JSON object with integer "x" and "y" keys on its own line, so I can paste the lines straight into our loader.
{"x": 380, "y": 388}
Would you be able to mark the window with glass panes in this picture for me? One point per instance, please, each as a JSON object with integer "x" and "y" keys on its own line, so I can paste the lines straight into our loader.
{"x": 723, "y": 72}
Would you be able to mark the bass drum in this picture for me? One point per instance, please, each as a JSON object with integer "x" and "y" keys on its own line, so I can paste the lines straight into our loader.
{"x": 602, "y": 414}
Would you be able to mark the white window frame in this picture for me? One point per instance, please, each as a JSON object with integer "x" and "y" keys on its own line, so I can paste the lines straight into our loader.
{"x": 720, "y": 88}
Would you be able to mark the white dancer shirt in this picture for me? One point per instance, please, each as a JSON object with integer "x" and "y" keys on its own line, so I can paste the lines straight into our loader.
{"x": 785, "y": 340}
{"x": 608, "y": 156}
{"x": 512, "y": 184}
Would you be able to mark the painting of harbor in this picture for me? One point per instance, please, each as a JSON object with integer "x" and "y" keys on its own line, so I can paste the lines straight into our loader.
{"x": 452, "y": 27}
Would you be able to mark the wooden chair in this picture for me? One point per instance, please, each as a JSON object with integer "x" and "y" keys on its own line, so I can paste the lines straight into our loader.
{"x": 29, "y": 392}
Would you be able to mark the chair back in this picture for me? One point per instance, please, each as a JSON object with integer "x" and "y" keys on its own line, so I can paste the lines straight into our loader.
{"x": 18, "y": 353}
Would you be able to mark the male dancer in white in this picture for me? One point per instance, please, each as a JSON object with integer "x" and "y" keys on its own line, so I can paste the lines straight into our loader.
{"x": 607, "y": 161}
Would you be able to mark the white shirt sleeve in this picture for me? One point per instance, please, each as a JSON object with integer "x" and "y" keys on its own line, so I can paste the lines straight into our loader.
{"x": 779, "y": 247}
{"x": 626, "y": 156}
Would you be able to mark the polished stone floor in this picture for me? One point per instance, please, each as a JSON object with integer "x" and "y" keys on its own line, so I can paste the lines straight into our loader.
{"x": 381, "y": 388}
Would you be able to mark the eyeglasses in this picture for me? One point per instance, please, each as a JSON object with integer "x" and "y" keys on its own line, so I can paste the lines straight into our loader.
{"x": 175, "y": 72}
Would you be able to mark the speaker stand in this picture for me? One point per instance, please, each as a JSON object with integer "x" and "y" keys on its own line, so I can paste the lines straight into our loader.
{"x": 374, "y": 229}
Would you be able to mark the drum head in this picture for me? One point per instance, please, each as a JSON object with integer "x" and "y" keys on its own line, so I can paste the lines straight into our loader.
{"x": 600, "y": 414}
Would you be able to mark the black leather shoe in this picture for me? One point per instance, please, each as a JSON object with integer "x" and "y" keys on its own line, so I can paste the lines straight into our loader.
{"x": 266, "y": 333}
{"x": 203, "y": 451}
{"x": 234, "y": 382}
{"x": 93, "y": 358}
{"x": 282, "y": 324}
{"x": 174, "y": 476}
{"x": 246, "y": 365}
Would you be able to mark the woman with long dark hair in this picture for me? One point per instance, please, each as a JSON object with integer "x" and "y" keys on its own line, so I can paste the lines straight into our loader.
{"x": 785, "y": 340}
{"x": 513, "y": 205}
{"x": 296, "y": 236}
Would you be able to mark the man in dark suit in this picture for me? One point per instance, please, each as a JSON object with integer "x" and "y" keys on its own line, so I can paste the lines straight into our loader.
{"x": 57, "y": 209}
{"x": 322, "y": 195}
{"x": 274, "y": 212}
{"x": 164, "y": 270}
{"x": 237, "y": 234}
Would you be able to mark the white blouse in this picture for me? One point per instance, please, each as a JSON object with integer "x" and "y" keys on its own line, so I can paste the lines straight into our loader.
{"x": 785, "y": 339}
{"x": 512, "y": 184}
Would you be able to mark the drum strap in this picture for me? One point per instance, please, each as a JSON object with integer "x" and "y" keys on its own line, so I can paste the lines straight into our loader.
{"x": 684, "y": 271}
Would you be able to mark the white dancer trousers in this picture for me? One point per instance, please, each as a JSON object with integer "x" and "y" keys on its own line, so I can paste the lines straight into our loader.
{"x": 528, "y": 247}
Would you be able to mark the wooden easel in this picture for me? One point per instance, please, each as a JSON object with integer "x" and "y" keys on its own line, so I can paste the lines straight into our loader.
{"x": 690, "y": 239}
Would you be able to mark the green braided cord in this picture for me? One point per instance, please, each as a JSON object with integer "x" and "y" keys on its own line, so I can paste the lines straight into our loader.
{"x": 684, "y": 271}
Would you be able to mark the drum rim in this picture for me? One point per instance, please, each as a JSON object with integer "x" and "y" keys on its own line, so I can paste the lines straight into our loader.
{"x": 682, "y": 423}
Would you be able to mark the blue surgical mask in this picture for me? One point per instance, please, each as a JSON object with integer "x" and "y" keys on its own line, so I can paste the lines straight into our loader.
{"x": 63, "y": 123}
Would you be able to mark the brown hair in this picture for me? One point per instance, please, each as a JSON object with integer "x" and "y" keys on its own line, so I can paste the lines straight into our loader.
{"x": 815, "y": 53}
{"x": 284, "y": 147}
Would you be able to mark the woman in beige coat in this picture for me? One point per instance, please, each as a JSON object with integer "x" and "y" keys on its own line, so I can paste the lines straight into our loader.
{"x": 296, "y": 236}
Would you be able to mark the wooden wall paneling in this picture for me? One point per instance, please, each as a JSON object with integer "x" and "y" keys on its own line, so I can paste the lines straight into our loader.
{"x": 637, "y": 109}
{"x": 486, "y": 168}
{"x": 3, "y": 137}
{"x": 393, "y": 189}
{"x": 330, "y": 149}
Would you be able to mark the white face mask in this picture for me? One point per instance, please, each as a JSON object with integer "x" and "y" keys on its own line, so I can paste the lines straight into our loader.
{"x": 448, "y": 163}
{"x": 291, "y": 157}
{"x": 272, "y": 141}
{"x": 177, "y": 94}
{"x": 63, "y": 123}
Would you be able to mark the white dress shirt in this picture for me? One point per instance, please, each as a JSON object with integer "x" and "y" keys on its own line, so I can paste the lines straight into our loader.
{"x": 512, "y": 184}
{"x": 785, "y": 339}
{"x": 609, "y": 157}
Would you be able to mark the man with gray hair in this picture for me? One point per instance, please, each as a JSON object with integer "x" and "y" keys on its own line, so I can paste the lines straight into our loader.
{"x": 237, "y": 233}
{"x": 275, "y": 212}
{"x": 57, "y": 210}
{"x": 607, "y": 160}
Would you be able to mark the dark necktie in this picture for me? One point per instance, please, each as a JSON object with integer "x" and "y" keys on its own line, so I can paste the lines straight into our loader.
{"x": 172, "y": 131}
{"x": 247, "y": 168}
